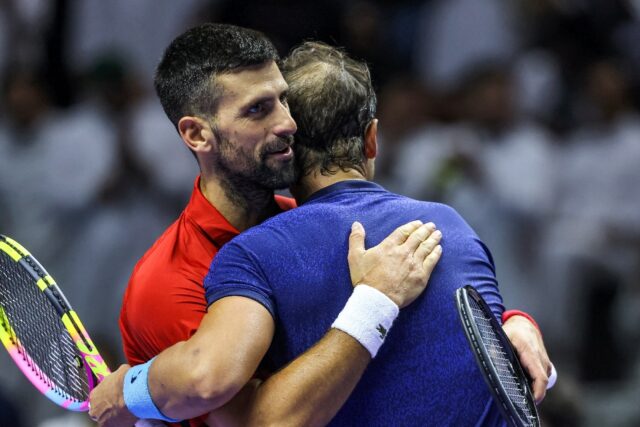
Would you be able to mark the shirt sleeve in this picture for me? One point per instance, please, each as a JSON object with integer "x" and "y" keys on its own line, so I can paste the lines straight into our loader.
{"x": 473, "y": 261}
{"x": 146, "y": 328}
{"x": 235, "y": 271}
{"x": 483, "y": 278}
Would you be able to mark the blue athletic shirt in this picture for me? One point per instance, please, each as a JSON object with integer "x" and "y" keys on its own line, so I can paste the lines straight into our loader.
{"x": 295, "y": 264}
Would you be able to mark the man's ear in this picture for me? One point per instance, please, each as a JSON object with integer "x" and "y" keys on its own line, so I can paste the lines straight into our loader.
{"x": 196, "y": 133}
{"x": 371, "y": 140}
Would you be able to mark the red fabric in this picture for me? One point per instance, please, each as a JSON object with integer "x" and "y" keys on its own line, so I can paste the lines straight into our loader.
{"x": 506, "y": 315}
{"x": 164, "y": 302}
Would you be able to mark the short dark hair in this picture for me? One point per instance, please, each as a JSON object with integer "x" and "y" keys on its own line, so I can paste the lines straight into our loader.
{"x": 332, "y": 100}
{"x": 185, "y": 76}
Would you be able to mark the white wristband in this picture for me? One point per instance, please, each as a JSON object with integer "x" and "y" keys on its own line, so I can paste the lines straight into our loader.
{"x": 553, "y": 377}
{"x": 367, "y": 316}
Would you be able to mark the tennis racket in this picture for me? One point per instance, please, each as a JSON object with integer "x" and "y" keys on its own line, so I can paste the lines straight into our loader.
{"x": 496, "y": 359}
{"x": 42, "y": 333}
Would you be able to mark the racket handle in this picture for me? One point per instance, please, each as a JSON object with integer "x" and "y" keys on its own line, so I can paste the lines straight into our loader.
{"x": 553, "y": 377}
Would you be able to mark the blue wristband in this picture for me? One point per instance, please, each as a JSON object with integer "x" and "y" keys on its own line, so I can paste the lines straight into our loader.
{"x": 137, "y": 396}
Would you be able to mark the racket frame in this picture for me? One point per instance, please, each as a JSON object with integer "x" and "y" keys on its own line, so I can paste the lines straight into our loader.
{"x": 489, "y": 371}
{"x": 95, "y": 367}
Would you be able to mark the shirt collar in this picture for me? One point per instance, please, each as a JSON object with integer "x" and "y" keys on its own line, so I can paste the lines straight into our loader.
{"x": 342, "y": 186}
{"x": 208, "y": 218}
{"x": 212, "y": 222}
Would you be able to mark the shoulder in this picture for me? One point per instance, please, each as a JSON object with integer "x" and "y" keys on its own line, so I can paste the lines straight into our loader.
{"x": 163, "y": 281}
{"x": 441, "y": 214}
{"x": 281, "y": 229}
{"x": 170, "y": 274}
{"x": 449, "y": 214}
{"x": 182, "y": 244}
{"x": 458, "y": 235}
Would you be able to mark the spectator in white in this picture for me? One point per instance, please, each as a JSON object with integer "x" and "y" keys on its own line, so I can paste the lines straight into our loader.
{"x": 597, "y": 207}
{"x": 456, "y": 34}
{"x": 52, "y": 163}
{"x": 128, "y": 213}
{"x": 98, "y": 25}
{"x": 488, "y": 165}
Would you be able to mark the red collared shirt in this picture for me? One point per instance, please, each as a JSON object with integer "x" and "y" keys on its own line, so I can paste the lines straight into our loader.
{"x": 164, "y": 302}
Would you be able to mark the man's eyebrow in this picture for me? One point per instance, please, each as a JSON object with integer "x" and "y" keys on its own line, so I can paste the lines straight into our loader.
{"x": 267, "y": 97}
{"x": 257, "y": 100}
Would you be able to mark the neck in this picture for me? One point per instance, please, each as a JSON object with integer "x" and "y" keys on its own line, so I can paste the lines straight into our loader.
{"x": 315, "y": 181}
{"x": 243, "y": 206}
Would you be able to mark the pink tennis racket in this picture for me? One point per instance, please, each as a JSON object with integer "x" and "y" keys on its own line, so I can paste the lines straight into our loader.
{"x": 42, "y": 333}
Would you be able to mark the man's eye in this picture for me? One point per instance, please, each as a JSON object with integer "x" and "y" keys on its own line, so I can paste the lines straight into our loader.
{"x": 283, "y": 100}
{"x": 256, "y": 109}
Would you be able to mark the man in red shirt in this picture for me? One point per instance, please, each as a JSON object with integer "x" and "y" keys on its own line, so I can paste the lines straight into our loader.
{"x": 221, "y": 87}
{"x": 164, "y": 302}
{"x": 236, "y": 121}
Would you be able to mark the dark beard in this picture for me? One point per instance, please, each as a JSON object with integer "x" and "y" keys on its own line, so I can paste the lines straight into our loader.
{"x": 247, "y": 182}
{"x": 276, "y": 179}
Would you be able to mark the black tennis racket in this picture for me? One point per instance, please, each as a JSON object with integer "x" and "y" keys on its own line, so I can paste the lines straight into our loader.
{"x": 496, "y": 359}
{"x": 42, "y": 333}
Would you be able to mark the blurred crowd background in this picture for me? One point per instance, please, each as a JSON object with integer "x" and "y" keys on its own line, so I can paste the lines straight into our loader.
{"x": 521, "y": 114}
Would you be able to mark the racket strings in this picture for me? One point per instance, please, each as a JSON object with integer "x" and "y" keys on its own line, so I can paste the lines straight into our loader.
{"x": 38, "y": 333}
{"x": 12, "y": 314}
{"x": 514, "y": 387}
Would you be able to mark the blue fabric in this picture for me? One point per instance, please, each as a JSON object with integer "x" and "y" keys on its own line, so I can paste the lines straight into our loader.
{"x": 295, "y": 264}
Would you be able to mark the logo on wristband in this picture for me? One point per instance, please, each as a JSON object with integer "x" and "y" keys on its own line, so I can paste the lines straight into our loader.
{"x": 383, "y": 332}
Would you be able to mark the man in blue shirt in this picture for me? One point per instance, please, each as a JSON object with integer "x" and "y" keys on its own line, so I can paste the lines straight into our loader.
{"x": 247, "y": 129}
{"x": 293, "y": 264}
{"x": 221, "y": 87}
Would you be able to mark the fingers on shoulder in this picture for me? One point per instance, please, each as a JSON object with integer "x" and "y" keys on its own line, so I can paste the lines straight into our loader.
{"x": 357, "y": 233}
{"x": 432, "y": 259}
{"x": 402, "y": 233}
{"x": 426, "y": 234}
{"x": 426, "y": 251}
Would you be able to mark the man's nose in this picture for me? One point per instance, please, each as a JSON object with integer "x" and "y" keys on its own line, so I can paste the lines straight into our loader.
{"x": 285, "y": 126}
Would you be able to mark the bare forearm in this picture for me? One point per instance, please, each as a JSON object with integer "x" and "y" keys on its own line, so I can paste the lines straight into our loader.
{"x": 180, "y": 387}
{"x": 197, "y": 376}
{"x": 311, "y": 390}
